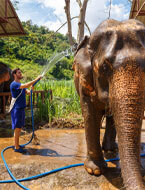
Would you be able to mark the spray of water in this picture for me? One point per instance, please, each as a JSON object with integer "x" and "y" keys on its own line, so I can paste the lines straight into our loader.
{"x": 57, "y": 57}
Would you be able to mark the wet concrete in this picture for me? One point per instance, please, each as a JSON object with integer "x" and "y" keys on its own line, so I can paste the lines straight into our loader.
{"x": 53, "y": 149}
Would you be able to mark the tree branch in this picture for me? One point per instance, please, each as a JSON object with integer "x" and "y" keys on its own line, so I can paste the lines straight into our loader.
{"x": 64, "y": 25}
{"x": 80, "y": 5}
{"x": 61, "y": 27}
{"x": 110, "y": 9}
{"x": 67, "y": 11}
{"x": 81, "y": 20}
{"x": 79, "y": 2}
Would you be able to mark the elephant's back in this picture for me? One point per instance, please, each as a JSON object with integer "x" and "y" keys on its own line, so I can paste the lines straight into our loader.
{"x": 5, "y": 70}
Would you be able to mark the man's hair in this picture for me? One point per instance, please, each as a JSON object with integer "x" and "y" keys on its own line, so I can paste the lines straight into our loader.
{"x": 14, "y": 71}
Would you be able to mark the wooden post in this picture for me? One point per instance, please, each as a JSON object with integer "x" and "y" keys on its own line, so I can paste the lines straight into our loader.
{"x": 37, "y": 95}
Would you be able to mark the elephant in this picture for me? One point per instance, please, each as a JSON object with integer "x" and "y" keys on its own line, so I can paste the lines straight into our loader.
{"x": 4, "y": 73}
{"x": 5, "y": 80}
{"x": 109, "y": 69}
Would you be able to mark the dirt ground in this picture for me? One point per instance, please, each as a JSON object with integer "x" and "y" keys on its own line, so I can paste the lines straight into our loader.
{"x": 61, "y": 144}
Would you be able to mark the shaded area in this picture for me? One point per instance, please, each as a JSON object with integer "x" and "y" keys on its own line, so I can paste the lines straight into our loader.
{"x": 9, "y": 21}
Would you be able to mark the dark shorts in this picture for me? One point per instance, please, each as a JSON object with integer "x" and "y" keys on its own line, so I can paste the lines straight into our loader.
{"x": 18, "y": 118}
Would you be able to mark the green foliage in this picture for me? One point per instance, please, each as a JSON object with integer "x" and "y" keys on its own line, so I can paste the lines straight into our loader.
{"x": 46, "y": 109}
{"x": 63, "y": 69}
{"x": 29, "y": 69}
{"x": 32, "y": 54}
{"x": 65, "y": 100}
{"x": 37, "y": 47}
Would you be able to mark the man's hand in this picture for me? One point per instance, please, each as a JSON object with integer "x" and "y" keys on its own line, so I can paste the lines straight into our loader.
{"x": 28, "y": 92}
{"x": 39, "y": 77}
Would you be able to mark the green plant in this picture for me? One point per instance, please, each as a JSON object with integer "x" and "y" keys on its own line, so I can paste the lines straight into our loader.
{"x": 45, "y": 108}
{"x": 65, "y": 99}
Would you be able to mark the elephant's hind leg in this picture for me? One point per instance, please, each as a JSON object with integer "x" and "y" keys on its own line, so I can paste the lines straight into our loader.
{"x": 94, "y": 164}
{"x": 109, "y": 144}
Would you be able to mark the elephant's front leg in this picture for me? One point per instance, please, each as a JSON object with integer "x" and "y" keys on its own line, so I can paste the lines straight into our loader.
{"x": 127, "y": 103}
{"x": 94, "y": 164}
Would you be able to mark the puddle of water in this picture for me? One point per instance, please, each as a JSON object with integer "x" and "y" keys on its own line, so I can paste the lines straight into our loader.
{"x": 54, "y": 144}
{"x": 60, "y": 144}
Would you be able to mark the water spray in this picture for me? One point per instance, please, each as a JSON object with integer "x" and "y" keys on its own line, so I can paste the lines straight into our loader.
{"x": 56, "y": 58}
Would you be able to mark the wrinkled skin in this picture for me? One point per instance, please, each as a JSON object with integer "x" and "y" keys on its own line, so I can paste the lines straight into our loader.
{"x": 5, "y": 81}
{"x": 109, "y": 78}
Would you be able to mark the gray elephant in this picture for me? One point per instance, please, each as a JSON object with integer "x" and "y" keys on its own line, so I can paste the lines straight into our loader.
{"x": 5, "y": 81}
{"x": 109, "y": 71}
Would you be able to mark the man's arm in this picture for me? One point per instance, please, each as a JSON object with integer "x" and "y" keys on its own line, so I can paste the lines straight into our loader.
{"x": 28, "y": 84}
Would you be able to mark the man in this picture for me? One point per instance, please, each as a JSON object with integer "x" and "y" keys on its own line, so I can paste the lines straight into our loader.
{"x": 18, "y": 91}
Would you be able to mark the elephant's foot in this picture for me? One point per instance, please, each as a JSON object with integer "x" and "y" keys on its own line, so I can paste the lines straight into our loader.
{"x": 110, "y": 150}
{"x": 94, "y": 167}
{"x": 110, "y": 154}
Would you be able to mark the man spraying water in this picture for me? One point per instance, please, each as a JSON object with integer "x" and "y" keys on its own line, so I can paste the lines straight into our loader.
{"x": 18, "y": 92}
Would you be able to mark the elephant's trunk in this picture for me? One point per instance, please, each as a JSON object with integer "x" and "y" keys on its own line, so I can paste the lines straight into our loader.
{"x": 127, "y": 104}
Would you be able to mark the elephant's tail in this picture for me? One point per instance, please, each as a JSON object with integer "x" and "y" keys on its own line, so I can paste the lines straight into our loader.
{"x": 127, "y": 104}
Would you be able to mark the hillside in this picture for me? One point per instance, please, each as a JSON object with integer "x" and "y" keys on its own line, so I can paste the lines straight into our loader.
{"x": 32, "y": 52}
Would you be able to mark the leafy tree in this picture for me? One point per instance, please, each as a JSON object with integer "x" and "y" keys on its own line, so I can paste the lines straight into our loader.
{"x": 37, "y": 46}
{"x": 63, "y": 69}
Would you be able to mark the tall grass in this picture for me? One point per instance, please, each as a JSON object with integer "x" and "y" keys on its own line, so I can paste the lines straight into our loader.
{"x": 65, "y": 99}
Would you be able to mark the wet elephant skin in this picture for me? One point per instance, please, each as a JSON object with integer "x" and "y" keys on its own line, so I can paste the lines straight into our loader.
{"x": 5, "y": 72}
{"x": 109, "y": 78}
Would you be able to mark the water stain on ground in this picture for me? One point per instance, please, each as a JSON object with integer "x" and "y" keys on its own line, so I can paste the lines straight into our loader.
{"x": 55, "y": 148}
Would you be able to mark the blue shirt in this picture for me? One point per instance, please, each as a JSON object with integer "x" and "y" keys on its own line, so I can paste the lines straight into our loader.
{"x": 15, "y": 91}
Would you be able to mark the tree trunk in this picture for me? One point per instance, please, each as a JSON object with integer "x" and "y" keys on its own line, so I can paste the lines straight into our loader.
{"x": 81, "y": 20}
{"x": 127, "y": 104}
{"x": 67, "y": 11}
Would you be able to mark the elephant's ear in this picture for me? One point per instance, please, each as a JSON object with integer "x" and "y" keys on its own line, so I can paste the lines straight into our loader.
{"x": 83, "y": 73}
{"x": 83, "y": 43}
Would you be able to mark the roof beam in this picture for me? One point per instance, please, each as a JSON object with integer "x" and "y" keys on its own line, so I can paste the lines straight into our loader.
{"x": 1, "y": 24}
{"x": 9, "y": 21}
{"x": 2, "y": 20}
{"x": 138, "y": 10}
{"x": 6, "y": 8}
{"x": 138, "y": 13}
